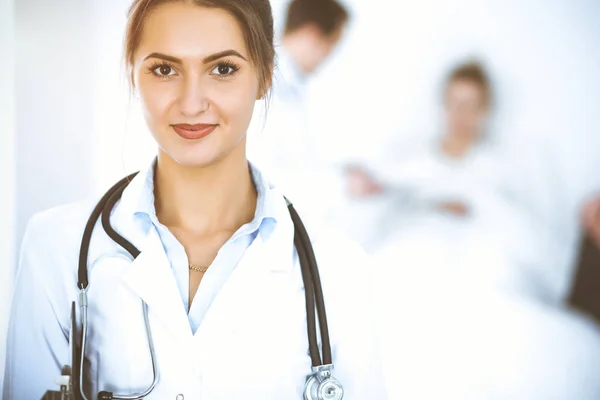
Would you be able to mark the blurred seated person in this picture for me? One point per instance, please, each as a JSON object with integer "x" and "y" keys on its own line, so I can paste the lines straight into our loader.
{"x": 457, "y": 177}
{"x": 447, "y": 174}
{"x": 453, "y": 232}
{"x": 452, "y": 204}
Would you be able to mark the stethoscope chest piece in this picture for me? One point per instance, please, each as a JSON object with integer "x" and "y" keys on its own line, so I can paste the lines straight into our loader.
{"x": 321, "y": 385}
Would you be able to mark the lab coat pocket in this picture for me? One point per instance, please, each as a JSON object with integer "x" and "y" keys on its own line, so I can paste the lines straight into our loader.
{"x": 259, "y": 339}
{"x": 274, "y": 330}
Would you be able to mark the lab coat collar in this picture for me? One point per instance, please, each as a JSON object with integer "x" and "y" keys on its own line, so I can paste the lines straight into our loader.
{"x": 151, "y": 278}
{"x": 138, "y": 200}
{"x": 272, "y": 218}
{"x": 280, "y": 244}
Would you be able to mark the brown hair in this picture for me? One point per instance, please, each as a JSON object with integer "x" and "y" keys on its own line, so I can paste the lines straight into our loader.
{"x": 328, "y": 15}
{"x": 472, "y": 72}
{"x": 254, "y": 16}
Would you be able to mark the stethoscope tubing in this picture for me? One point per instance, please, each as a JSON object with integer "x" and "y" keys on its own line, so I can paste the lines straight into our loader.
{"x": 308, "y": 265}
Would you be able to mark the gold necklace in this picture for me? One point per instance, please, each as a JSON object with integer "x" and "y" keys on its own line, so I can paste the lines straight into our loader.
{"x": 198, "y": 269}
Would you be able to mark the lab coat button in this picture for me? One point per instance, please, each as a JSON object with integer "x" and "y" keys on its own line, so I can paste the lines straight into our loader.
{"x": 179, "y": 397}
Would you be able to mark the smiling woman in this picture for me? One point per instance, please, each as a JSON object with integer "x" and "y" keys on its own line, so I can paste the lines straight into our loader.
{"x": 227, "y": 314}
{"x": 198, "y": 71}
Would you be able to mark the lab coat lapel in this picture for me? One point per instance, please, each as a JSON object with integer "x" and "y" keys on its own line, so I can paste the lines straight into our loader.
{"x": 266, "y": 264}
{"x": 151, "y": 278}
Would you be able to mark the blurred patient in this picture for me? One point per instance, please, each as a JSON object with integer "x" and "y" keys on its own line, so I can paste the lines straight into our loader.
{"x": 459, "y": 310}
{"x": 282, "y": 144}
{"x": 447, "y": 187}
{"x": 460, "y": 314}
{"x": 442, "y": 174}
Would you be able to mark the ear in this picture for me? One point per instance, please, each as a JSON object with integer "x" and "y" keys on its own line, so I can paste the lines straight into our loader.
{"x": 132, "y": 85}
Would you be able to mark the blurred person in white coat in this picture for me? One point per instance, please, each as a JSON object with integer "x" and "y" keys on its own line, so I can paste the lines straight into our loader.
{"x": 279, "y": 138}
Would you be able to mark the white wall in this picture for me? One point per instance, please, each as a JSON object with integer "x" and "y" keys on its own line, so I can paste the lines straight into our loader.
{"x": 54, "y": 117}
{"x": 7, "y": 169}
{"x": 121, "y": 143}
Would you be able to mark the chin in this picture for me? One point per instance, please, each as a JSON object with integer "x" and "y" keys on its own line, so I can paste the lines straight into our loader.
{"x": 192, "y": 158}
{"x": 199, "y": 161}
{"x": 198, "y": 154}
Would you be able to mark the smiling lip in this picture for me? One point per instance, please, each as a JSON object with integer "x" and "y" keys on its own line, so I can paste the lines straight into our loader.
{"x": 194, "y": 132}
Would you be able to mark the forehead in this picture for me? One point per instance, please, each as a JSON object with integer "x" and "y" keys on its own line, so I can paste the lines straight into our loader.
{"x": 464, "y": 87}
{"x": 189, "y": 31}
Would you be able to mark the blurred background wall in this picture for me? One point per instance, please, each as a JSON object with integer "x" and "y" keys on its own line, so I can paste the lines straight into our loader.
{"x": 7, "y": 167}
{"x": 54, "y": 104}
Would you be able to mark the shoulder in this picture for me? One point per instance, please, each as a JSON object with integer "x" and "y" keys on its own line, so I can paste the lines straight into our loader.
{"x": 50, "y": 247}
{"x": 59, "y": 224}
{"x": 49, "y": 257}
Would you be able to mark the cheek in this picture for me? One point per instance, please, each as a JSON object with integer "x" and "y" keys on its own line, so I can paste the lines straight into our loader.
{"x": 155, "y": 106}
{"x": 235, "y": 104}
{"x": 156, "y": 99}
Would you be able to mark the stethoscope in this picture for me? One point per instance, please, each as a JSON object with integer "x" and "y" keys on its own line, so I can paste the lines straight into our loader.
{"x": 320, "y": 384}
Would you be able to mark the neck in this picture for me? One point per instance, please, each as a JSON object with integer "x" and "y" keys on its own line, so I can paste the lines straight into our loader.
{"x": 457, "y": 146}
{"x": 204, "y": 200}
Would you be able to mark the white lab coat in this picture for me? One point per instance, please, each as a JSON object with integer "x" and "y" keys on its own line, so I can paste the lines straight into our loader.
{"x": 252, "y": 343}
{"x": 281, "y": 142}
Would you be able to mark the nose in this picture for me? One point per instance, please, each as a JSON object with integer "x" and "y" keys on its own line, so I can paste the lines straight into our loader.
{"x": 193, "y": 99}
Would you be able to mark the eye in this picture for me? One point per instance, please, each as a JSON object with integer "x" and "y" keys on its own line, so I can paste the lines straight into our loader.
{"x": 225, "y": 69}
{"x": 162, "y": 70}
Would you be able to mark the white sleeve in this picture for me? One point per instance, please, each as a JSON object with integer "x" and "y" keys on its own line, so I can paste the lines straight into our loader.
{"x": 37, "y": 345}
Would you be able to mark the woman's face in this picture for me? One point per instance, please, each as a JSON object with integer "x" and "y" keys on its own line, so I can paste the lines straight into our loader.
{"x": 196, "y": 82}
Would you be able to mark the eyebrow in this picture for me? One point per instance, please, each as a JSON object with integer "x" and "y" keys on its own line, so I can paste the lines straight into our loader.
{"x": 205, "y": 60}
